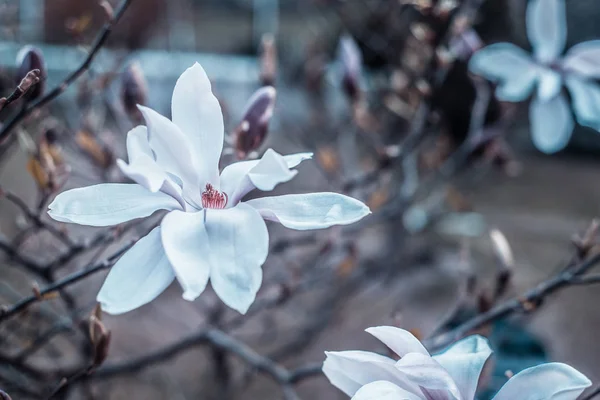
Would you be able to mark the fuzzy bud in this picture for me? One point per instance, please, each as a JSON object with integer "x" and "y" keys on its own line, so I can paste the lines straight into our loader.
{"x": 251, "y": 132}
{"x": 350, "y": 58}
{"x": 100, "y": 338}
{"x": 134, "y": 90}
{"x": 4, "y": 395}
{"x": 268, "y": 60}
{"x": 30, "y": 59}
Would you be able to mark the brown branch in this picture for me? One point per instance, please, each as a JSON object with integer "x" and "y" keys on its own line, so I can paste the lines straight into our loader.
{"x": 531, "y": 299}
{"x": 68, "y": 280}
{"x": 216, "y": 339}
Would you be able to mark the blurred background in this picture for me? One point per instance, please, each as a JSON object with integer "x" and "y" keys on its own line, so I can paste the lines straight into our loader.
{"x": 365, "y": 85}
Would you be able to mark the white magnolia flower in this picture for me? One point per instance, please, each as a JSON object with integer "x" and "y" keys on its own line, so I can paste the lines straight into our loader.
{"x": 451, "y": 375}
{"x": 209, "y": 231}
{"x": 517, "y": 75}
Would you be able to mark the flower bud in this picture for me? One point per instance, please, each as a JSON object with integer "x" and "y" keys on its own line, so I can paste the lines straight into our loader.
{"x": 4, "y": 395}
{"x": 268, "y": 60}
{"x": 350, "y": 58}
{"x": 30, "y": 59}
{"x": 100, "y": 337}
{"x": 251, "y": 132}
{"x": 134, "y": 90}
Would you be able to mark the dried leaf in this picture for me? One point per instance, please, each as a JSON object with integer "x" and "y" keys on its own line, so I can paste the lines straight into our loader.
{"x": 378, "y": 198}
{"x": 89, "y": 144}
{"x": 35, "y": 169}
{"x": 328, "y": 159}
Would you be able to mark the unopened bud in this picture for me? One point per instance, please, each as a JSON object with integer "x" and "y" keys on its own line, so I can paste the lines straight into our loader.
{"x": 251, "y": 132}
{"x": 134, "y": 90}
{"x": 268, "y": 60}
{"x": 350, "y": 58}
{"x": 30, "y": 59}
{"x": 4, "y": 395}
{"x": 100, "y": 338}
{"x": 502, "y": 249}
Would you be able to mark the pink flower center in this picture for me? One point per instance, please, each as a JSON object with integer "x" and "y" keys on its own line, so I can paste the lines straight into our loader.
{"x": 212, "y": 198}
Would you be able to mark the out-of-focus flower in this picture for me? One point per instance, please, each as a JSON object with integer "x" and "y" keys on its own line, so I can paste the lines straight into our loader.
{"x": 251, "y": 132}
{"x": 451, "y": 375}
{"x": 134, "y": 90}
{"x": 517, "y": 74}
{"x": 30, "y": 58}
{"x": 350, "y": 58}
{"x": 209, "y": 231}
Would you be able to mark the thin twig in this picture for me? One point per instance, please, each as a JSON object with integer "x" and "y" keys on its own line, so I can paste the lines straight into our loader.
{"x": 58, "y": 90}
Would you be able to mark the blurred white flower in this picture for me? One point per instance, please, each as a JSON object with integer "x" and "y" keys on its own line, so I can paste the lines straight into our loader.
{"x": 517, "y": 74}
{"x": 208, "y": 231}
{"x": 451, "y": 375}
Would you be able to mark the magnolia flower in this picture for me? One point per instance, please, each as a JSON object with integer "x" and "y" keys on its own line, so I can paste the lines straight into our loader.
{"x": 451, "y": 375}
{"x": 517, "y": 75}
{"x": 209, "y": 232}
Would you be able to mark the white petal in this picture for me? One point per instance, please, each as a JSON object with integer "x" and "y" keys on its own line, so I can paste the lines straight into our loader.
{"x": 349, "y": 370}
{"x": 424, "y": 371}
{"x": 382, "y": 390}
{"x": 551, "y": 124}
{"x": 550, "y": 83}
{"x": 585, "y": 95}
{"x": 552, "y": 381}
{"x": 547, "y": 28}
{"x": 509, "y": 66}
{"x": 108, "y": 204}
{"x": 584, "y": 59}
{"x": 400, "y": 341}
{"x": 137, "y": 143}
{"x": 186, "y": 245}
{"x": 311, "y": 210}
{"x": 239, "y": 244}
{"x": 138, "y": 277}
{"x": 172, "y": 150}
{"x": 145, "y": 171}
{"x": 272, "y": 169}
{"x": 197, "y": 112}
{"x": 464, "y": 362}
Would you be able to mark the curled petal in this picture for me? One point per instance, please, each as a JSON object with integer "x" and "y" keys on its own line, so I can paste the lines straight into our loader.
{"x": 197, "y": 112}
{"x": 272, "y": 169}
{"x": 585, "y": 96}
{"x": 584, "y": 59}
{"x": 509, "y": 66}
{"x": 547, "y": 381}
{"x": 547, "y": 28}
{"x": 400, "y": 341}
{"x": 144, "y": 169}
{"x": 239, "y": 244}
{"x": 464, "y": 362}
{"x": 311, "y": 210}
{"x": 108, "y": 204}
{"x": 138, "y": 277}
{"x": 138, "y": 144}
{"x": 172, "y": 150}
{"x": 425, "y": 372}
{"x": 383, "y": 390}
{"x": 551, "y": 124}
{"x": 186, "y": 245}
{"x": 350, "y": 370}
